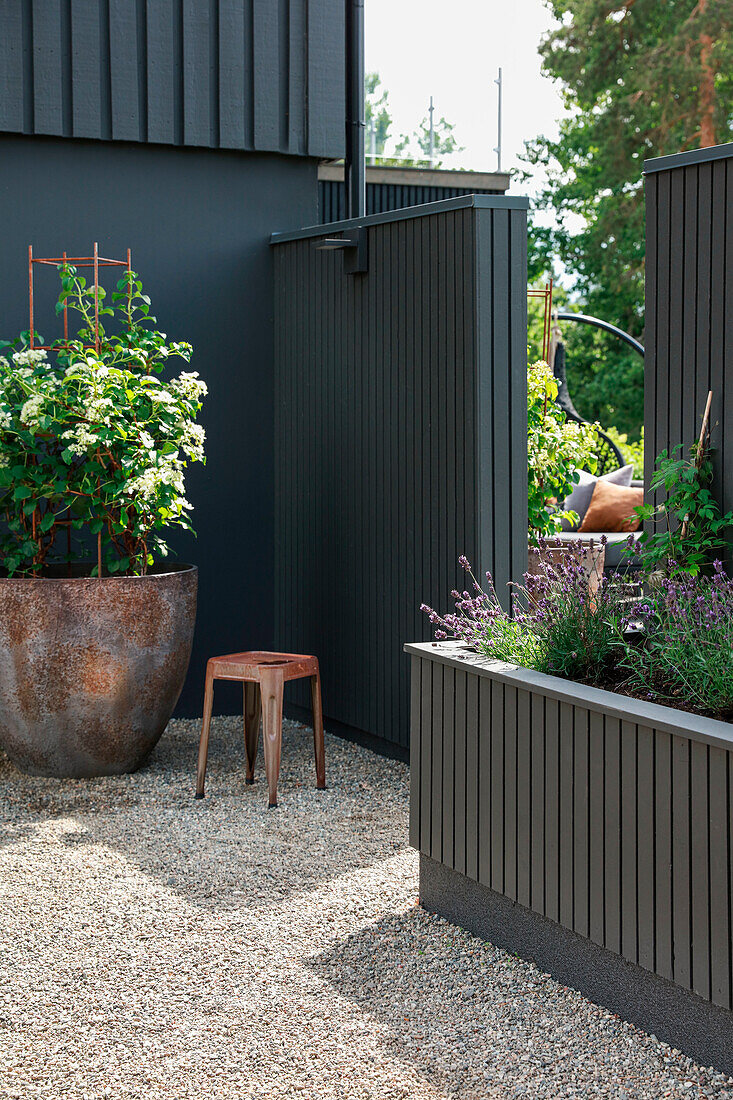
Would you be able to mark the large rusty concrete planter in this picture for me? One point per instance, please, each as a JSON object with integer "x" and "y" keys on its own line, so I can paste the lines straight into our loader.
{"x": 91, "y": 670}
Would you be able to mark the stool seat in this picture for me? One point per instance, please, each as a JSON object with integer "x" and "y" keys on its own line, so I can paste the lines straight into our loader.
{"x": 263, "y": 675}
{"x": 247, "y": 666}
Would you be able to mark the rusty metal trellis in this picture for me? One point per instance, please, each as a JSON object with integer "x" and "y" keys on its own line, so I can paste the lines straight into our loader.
{"x": 96, "y": 261}
{"x": 545, "y": 293}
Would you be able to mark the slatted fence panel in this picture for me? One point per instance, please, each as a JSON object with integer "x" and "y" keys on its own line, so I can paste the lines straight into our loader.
{"x": 689, "y": 305}
{"x": 382, "y": 197}
{"x": 395, "y": 433}
{"x": 614, "y": 828}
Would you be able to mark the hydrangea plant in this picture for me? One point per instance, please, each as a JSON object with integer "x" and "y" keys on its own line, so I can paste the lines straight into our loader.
{"x": 556, "y": 449}
{"x": 92, "y": 439}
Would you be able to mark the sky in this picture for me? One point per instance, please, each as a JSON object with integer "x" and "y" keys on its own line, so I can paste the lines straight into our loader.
{"x": 452, "y": 50}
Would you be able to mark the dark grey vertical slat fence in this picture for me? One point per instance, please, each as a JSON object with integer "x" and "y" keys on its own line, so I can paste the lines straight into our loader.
{"x": 689, "y": 304}
{"x": 397, "y": 444}
{"x": 382, "y": 197}
{"x": 265, "y": 75}
{"x": 616, "y": 827}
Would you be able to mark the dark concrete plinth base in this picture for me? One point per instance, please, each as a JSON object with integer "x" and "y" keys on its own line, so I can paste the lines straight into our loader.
{"x": 702, "y": 1030}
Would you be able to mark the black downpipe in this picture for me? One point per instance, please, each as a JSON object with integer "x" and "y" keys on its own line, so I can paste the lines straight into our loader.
{"x": 354, "y": 173}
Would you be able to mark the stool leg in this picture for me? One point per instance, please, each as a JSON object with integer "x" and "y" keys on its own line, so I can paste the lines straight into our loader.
{"x": 318, "y": 731}
{"x": 251, "y": 725}
{"x": 205, "y": 725}
{"x": 271, "y": 688}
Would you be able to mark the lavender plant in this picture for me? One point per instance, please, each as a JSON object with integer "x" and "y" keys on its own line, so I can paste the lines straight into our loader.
{"x": 559, "y": 626}
{"x": 686, "y": 658}
{"x": 483, "y": 625}
{"x": 579, "y": 625}
{"x": 681, "y": 657}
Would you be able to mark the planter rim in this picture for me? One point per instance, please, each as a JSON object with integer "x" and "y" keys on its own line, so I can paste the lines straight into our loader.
{"x": 711, "y": 731}
{"x": 180, "y": 567}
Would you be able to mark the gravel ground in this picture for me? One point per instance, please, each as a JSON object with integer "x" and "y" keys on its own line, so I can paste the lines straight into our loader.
{"x": 155, "y": 946}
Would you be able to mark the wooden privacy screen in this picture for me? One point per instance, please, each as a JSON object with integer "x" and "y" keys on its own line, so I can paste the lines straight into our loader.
{"x": 400, "y": 409}
{"x": 689, "y": 305}
{"x": 583, "y": 807}
{"x": 381, "y": 197}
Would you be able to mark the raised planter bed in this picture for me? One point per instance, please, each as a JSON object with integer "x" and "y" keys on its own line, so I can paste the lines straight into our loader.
{"x": 582, "y": 829}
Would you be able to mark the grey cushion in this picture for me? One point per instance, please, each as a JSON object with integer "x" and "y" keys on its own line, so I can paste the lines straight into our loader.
{"x": 579, "y": 499}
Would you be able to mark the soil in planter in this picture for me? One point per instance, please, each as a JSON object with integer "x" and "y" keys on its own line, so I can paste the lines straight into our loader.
{"x": 616, "y": 684}
{"x": 79, "y": 569}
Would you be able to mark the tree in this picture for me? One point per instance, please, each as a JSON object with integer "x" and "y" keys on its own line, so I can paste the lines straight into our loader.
{"x": 641, "y": 78}
{"x": 378, "y": 117}
{"x": 444, "y": 143}
{"x": 408, "y": 149}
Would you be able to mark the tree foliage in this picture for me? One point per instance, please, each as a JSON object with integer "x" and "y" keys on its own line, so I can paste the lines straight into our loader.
{"x": 556, "y": 449}
{"x": 378, "y": 115}
{"x": 641, "y": 78}
{"x": 411, "y": 150}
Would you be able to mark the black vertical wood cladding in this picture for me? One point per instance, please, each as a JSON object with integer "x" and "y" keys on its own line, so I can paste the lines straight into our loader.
{"x": 383, "y": 197}
{"x": 264, "y": 75}
{"x": 616, "y": 829}
{"x": 387, "y": 387}
{"x": 197, "y": 237}
{"x": 689, "y": 305}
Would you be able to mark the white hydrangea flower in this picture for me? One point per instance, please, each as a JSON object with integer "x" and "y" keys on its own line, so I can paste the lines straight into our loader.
{"x": 32, "y": 409}
{"x": 168, "y": 471}
{"x": 146, "y": 441}
{"x": 192, "y": 441}
{"x": 145, "y": 485}
{"x": 162, "y": 397}
{"x": 80, "y": 439}
{"x": 29, "y": 358}
{"x": 98, "y": 408}
{"x": 190, "y": 385}
{"x": 171, "y": 472}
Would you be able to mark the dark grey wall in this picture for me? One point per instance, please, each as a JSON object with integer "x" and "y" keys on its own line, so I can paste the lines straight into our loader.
{"x": 381, "y": 197}
{"x": 689, "y": 305}
{"x": 400, "y": 406}
{"x": 265, "y": 75}
{"x": 606, "y": 815}
{"x": 198, "y": 223}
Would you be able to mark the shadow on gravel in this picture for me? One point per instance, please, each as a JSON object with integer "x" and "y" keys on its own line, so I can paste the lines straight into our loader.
{"x": 228, "y": 850}
{"x": 476, "y": 1021}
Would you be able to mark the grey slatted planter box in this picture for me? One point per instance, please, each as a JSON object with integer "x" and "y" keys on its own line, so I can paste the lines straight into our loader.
{"x": 581, "y": 829}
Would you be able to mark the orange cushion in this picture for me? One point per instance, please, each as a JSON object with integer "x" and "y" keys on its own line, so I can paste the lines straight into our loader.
{"x": 612, "y": 508}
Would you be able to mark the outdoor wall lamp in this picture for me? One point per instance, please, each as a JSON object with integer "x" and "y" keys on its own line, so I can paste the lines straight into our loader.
{"x": 354, "y": 247}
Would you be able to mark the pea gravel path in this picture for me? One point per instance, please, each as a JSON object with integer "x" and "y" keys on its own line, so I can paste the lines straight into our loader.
{"x": 154, "y": 946}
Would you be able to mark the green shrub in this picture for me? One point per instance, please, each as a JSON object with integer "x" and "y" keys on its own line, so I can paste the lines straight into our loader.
{"x": 556, "y": 449}
{"x": 92, "y": 440}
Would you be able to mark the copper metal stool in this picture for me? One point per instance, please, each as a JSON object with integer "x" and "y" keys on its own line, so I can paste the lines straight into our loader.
{"x": 263, "y": 676}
